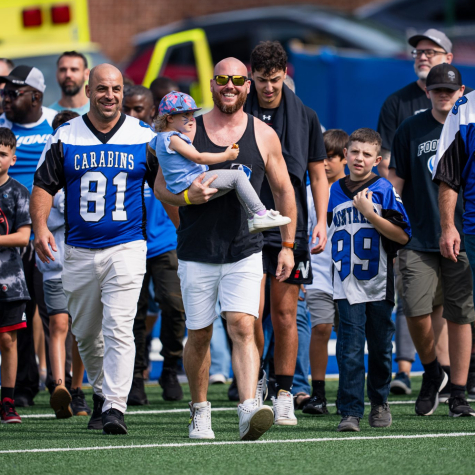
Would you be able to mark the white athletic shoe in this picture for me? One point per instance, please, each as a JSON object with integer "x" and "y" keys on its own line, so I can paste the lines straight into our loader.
{"x": 254, "y": 420}
{"x": 267, "y": 221}
{"x": 284, "y": 409}
{"x": 200, "y": 421}
{"x": 217, "y": 379}
{"x": 261, "y": 390}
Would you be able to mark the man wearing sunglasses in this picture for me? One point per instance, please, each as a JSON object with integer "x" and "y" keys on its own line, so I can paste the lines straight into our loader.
{"x": 218, "y": 257}
{"x": 31, "y": 123}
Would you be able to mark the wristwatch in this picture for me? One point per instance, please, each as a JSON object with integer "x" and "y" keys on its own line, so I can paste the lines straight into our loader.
{"x": 289, "y": 245}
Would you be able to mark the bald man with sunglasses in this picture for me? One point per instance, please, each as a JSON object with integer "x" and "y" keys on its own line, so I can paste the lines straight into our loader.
{"x": 219, "y": 258}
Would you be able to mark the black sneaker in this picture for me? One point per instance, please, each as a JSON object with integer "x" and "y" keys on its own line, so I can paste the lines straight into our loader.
{"x": 22, "y": 400}
{"x": 316, "y": 406}
{"x": 444, "y": 393}
{"x": 380, "y": 415}
{"x": 95, "y": 422}
{"x": 349, "y": 424}
{"x": 459, "y": 407}
{"x": 171, "y": 387}
{"x": 471, "y": 385}
{"x": 113, "y": 422}
{"x": 233, "y": 393}
{"x": 137, "y": 396}
{"x": 428, "y": 398}
{"x": 79, "y": 404}
{"x": 401, "y": 384}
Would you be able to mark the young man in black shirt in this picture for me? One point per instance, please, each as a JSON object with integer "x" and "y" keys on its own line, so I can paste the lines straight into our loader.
{"x": 421, "y": 263}
{"x": 430, "y": 49}
{"x": 303, "y": 149}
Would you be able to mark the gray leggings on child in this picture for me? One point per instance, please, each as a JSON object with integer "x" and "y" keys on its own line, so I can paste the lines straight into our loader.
{"x": 236, "y": 180}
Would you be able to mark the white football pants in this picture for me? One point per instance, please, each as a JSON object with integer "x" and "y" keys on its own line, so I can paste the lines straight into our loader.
{"x": 102, "y": 287}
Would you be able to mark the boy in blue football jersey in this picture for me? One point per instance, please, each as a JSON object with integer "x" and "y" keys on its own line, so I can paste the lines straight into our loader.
{"x": 181, "y": 163}
{"x": 368, "y": 224}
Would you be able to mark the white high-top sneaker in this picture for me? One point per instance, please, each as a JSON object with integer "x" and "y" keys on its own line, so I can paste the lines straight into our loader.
{"x": 261, "y": 390}
{"x": 200, "y": 421}
{"x": 254, "y": 420}
{"x": 284, "y": 409}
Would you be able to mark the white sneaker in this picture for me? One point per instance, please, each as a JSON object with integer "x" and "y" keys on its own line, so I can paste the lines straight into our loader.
{"x": 200, "y": 421}
{"x": 284, "y": 409}
{"x": 261, "y": 390}
{"x": 267, "y": 221}
{"x": 217, "y": 379}
{"x": 254, "y": 420}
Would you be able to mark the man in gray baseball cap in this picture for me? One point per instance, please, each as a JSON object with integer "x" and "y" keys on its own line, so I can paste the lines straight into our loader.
{"x": 430, "y": 48}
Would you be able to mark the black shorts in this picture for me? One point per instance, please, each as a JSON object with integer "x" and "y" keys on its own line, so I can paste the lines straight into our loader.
{"x": 12, "y": 316}
{"x": 302, "y": 271}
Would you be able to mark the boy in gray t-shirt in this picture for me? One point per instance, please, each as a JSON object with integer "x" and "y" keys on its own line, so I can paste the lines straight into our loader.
{"x": 15, "y": 228}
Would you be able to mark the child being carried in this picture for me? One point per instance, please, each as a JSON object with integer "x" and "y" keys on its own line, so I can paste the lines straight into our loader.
{"x": 181, "y": 163}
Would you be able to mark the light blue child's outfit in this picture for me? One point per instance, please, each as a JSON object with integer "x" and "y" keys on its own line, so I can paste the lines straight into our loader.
{"x": 179, "y": 172}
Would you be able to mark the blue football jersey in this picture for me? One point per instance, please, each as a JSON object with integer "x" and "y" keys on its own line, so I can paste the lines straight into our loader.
{"x": 161, "y": 233}
{"x": 454, "y": 161}
{"x": 31, "y": 140}
{"x": 103, "y": 177}
{"x": 362, "y": 257}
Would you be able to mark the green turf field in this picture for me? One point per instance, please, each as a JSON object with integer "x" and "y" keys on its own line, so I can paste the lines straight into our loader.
{"x": 158, "y": 443}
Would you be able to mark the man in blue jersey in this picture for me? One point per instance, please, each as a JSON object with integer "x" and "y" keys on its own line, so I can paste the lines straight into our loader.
{"x": 101, "y": 161}
{"x": 31, "y": 123}
{"x": 162, "y": 265}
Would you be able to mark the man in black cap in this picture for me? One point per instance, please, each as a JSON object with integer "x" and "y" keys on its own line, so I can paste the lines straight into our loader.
{"x": 421, "y": 264}
{"x": 430, "y": 49}
{"x": 31, "y": 123}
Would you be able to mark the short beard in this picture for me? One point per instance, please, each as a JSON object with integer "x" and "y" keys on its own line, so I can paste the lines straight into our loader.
{"x": 422, "y": 75}
{"x": 225, "y": 109}
{"x": 70, "y": 90}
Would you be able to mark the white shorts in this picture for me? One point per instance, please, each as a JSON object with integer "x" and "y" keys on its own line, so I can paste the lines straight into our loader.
{"x": 237, "y": 286}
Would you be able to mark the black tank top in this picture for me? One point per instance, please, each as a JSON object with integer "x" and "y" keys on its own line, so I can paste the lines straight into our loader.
{"x": 217, "y": 232}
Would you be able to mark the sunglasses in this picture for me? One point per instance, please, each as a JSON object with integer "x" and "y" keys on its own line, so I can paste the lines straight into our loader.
{"x": 222, "y": 80}
{"x": 13, "y": 94}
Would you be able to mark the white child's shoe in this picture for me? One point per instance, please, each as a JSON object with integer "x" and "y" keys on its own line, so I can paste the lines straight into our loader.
{"x": 254, "y": 420}
{"x": 284, "y": 409}
{"x": 269, "y": 220}
{"x": 200, "y": 421}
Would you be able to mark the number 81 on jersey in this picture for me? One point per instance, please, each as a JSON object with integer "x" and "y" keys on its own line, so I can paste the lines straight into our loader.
{"x": 92, "y": 206}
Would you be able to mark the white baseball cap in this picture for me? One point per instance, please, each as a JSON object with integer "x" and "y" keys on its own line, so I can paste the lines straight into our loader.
{"x": 26, "y": 76}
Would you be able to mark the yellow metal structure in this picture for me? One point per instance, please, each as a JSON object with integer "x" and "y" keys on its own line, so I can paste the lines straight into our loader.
{"x": 16, "y": 40}
{"x": 204, "y": 64}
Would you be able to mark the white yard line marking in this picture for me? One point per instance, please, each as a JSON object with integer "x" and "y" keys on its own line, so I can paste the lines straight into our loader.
{"x": 196, "y": 444}
{"x": 172, "y": 411}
